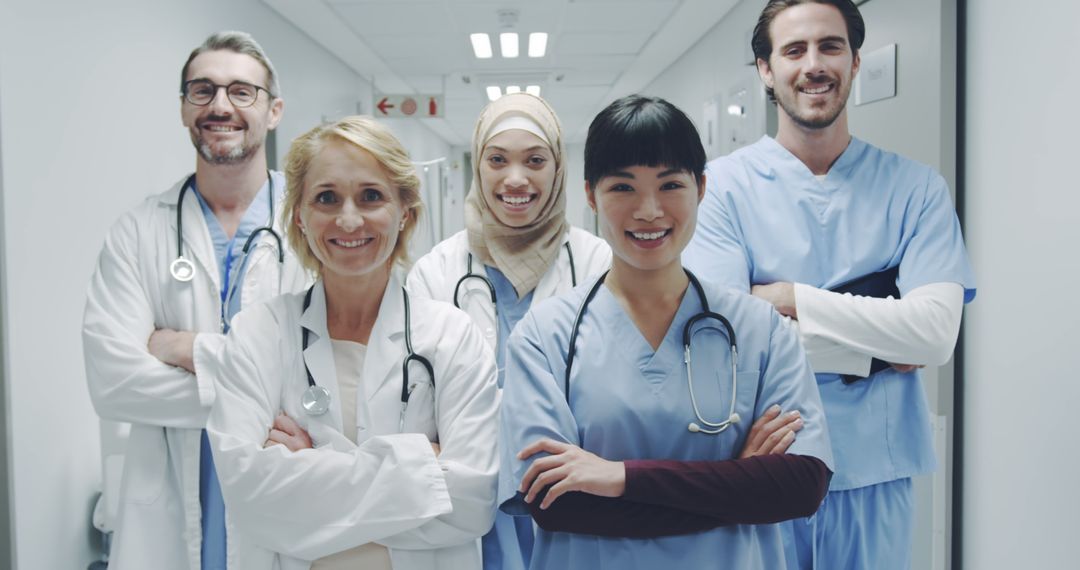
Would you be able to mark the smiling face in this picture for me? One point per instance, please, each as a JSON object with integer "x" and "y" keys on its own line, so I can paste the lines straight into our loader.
{"x": 517, "y": 175}
{"x": 811, "y": 66}
{"x": 350, "y": 211}
{"x": 647, "y": 214}
{"x": 221, "y": 132}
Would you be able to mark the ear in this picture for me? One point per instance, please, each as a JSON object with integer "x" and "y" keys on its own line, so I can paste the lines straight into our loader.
{"x": 276, "y": 110}
{"x": 590, "y": 197}
{"x": 297, "y": 221}
{"x": 765, "y": 72}
{"x": 701, "y": 189}
{"x": 856, "y": 61}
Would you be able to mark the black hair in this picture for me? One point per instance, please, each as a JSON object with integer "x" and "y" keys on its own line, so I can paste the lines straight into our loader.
{"x": 761, "y": 40}
{"x": 642, "y": 131}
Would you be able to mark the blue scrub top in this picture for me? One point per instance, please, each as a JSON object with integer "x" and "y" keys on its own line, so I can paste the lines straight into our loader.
{"x": 766, "y": 218}
{"x": 511, "y": 310}
{"x": 630, "y": 402}
{"x": 228, "y": 253}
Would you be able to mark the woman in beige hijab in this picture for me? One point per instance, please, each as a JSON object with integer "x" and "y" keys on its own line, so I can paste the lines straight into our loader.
{"x": 516, "y": 248}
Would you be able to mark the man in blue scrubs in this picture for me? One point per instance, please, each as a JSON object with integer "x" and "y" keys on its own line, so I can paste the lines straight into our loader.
{"x": 152, "y": 321}
{"x": 862, "y": 249}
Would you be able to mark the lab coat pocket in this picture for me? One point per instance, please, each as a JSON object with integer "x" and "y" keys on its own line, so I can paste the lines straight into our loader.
{"x": 144, "y": 465}
{"x": 420, "y": 413}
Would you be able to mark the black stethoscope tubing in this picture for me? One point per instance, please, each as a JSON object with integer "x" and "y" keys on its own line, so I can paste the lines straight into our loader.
{"x": 491, "y": 287}
{"x": 710, "y": 428}
{"x": 247, "y": 243}
{"x": 410, "y": 356}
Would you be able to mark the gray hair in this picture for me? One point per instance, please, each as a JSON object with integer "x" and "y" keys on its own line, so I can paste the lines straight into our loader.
{"x": 239, "y": 42}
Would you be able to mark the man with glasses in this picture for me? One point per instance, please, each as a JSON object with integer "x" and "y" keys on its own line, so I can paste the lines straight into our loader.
{"x": 170, "y": 276}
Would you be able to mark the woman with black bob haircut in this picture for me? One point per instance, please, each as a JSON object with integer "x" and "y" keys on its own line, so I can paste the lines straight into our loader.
{"x": 626, "y": 403}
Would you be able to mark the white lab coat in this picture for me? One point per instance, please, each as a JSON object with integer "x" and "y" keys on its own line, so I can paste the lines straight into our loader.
{"x": 389, "y": 488}
{"x": 130, "y": 295}
{"x": 435, "y": 275}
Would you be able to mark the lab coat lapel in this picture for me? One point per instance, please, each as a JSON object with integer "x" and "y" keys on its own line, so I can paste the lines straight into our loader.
{"x": 319, "y": 355}
{"x": 197, "y": 245}
{"x": 386, "y": 344}
{"x": 556, "y": 275}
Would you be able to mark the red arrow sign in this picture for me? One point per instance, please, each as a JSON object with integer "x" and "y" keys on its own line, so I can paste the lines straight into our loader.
{"x": 383, "y": 106}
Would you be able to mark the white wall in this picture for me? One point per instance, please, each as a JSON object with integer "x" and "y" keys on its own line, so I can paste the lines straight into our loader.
{"x": 91, "y": 124}
{"x": 1021, "y": 492}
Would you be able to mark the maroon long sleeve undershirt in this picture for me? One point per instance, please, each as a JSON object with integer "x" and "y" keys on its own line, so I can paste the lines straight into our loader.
{"x": 664, "y": 498}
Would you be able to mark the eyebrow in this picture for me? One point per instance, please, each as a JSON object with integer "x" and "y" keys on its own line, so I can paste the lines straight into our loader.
{"x": 530, "y": 149}
{"x": 627, "y": 174}
{"x": 840, "y": 39}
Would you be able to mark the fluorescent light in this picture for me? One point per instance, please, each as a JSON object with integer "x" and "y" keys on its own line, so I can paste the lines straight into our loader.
{"x": 481, "y": 45}
{"x": 735, "y": 110}
{"x": 508, "y": 43}
{"x": 513, "y": 89}
{"x": 537, "y": 44}
{"x": 493, "y": 92}
{"x": 533, "y": 90}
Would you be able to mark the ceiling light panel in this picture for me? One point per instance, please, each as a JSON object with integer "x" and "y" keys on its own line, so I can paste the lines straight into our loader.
{"x": 481, "y": 45}
{"x": 493, "y": 92}
{"x": 533, "y": 90}
{"x": 508, "y": 44}
{"x": 538, "y": 44}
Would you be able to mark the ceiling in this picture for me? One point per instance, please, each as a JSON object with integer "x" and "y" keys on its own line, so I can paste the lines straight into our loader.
{"x": 598, "y": 50}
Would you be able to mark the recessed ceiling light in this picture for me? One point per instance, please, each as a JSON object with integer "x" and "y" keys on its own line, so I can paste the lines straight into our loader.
{"x": 493, "y": 92}
{"x": 533, "y": 90}
{"x": 481, "y": 45}
{"x": 508, "y": 44}
{"x": 513, "y": 89}
{"x": 537, "y": 44}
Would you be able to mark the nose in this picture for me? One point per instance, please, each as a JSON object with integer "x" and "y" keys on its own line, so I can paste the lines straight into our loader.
{"x": 648, "y": 208}
{"x": 220, "y": 104}
{"x": 815, "y": 64}
{"x": 515, "y": 177}
{"x": 349, "y": 218}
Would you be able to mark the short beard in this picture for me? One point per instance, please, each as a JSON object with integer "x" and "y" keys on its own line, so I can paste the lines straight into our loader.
{"x": 237, "y": 155}
{"x": 811, "y": 124}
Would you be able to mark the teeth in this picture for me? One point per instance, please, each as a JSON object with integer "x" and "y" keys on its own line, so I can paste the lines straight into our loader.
{"x": 352, "y": 243}
{"x": 221, "y": 129}
{"x": 816, "y": 90}
{"x": 648, "y": 235}
{"x": 516, "y": 200}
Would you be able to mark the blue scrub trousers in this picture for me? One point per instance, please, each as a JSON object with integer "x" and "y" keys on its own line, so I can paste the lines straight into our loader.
{"x": 860, "y": 529}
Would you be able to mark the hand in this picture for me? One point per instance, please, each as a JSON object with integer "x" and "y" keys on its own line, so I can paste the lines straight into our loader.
{"x": 772, "y": 433}
{"x": 175, "y": 348}
{"x": 905, "y": 368}
{"x": 569, "y": 468}
{"x": 435, "y": 447}
{"x": 288, "y": 433}
{"x": 781, "y": 294}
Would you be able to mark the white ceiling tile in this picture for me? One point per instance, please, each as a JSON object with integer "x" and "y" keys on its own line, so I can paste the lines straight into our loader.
{"x": 393, "y": 18}
{"x": 601, "y": 44}
{"x": 616, "y": 16}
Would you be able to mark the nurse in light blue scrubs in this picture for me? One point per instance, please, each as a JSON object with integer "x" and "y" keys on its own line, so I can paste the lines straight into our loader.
{"x": 621, "y": 457}
{"x": 815, "y": 213}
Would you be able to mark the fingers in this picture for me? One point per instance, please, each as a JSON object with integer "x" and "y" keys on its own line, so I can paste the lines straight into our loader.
{"x": 546, "y": 479}
{"x": 541, "y": 445}
{"x": 278, "y": 437}
{"x": 286, "y": 424}
{"x": 781, "y": 438}
{"x": 539, "y": 466}
{"x": 758, "y": 431}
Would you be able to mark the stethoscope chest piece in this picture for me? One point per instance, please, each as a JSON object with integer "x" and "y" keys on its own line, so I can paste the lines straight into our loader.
{"x": 316, "y": 400}
{"x": 182, "y": 269}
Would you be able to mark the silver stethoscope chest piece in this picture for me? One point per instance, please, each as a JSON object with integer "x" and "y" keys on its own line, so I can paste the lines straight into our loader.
{"x": 316, "y": 400}
{"x": 182, "y": 269}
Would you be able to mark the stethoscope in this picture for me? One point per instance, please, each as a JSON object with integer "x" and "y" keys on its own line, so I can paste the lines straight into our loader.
{"x": 710, "y": 428}
{"x": 316, "y": 399}
{"x": 470, "y": 274}
{"x": 183, "y": 270}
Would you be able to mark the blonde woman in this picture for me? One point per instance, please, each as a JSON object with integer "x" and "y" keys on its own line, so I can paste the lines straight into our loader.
{"x": 355, "y": 423}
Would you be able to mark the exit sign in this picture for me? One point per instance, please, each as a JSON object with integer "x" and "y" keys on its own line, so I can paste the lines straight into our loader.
{"x": 411, "y": 105}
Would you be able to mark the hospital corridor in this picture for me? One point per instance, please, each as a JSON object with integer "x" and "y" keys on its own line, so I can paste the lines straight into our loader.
{"x": 532, "y": 284}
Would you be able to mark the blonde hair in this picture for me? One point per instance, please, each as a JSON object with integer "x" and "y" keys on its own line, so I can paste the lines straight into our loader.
{"x": 368, "y": 135}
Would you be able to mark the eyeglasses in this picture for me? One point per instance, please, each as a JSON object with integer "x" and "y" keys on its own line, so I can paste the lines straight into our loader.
{"x": 202, "y": 91}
